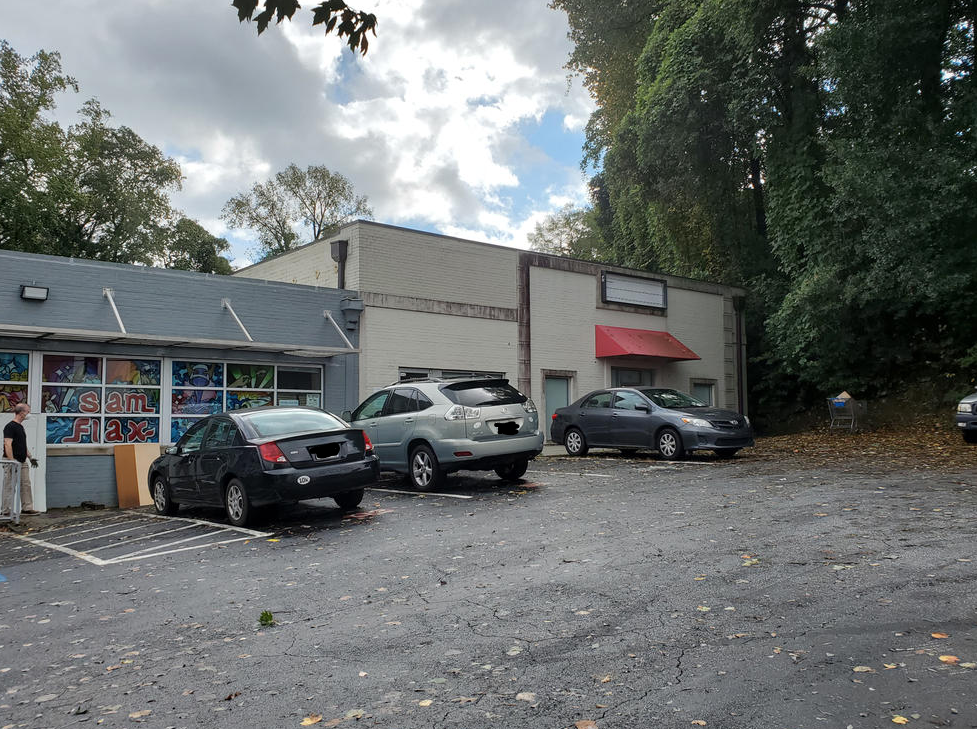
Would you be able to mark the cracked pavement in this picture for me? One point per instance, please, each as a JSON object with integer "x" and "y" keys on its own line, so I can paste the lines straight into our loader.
{"x": 627, "y": 592}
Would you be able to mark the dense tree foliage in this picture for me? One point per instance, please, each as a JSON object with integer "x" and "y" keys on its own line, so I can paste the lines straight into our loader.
{"x": 90, "y": 191}
{"x": 315, "y": 199}
{"x": 820, "y": 153}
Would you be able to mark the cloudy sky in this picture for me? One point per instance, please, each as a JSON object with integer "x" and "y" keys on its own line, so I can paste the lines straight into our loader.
{"x": 459, "y": 120}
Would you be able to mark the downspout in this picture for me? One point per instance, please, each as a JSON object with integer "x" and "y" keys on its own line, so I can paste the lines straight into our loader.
{"x": 524, "y": 357}
{"x": 338, "y": 249}
{"x": 738, "y": 307}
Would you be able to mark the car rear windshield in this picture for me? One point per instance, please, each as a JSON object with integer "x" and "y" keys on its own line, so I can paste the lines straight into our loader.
{"x": 275, "y": 423}
{"x": 671, "y": 398}
{"x": 483, "y": 392}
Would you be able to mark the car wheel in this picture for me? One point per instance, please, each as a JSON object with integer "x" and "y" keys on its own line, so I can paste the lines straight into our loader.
{"x": 349, "y": 499}
{"x": 970, "y": 436}
{"x": 575, "y": 443}
{"x": 425, "y": 471}
{"x": 236, "y": 503}
{"x": 161, "y": 498}
{"x": 669, "y": 444}
{"x": 513, "y": 471}
{"x": 726, "y": 452}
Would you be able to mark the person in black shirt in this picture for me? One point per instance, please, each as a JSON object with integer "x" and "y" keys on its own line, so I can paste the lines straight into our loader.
{"x": 15, "y": 447}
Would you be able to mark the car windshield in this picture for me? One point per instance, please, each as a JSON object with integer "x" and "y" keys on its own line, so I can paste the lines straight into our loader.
{"x": 671, "y": 398}
{"x": 478, "y": 393}
{"x": 273, "y": 423}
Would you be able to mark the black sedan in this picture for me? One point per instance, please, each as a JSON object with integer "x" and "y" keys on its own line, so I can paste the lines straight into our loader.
{"x": 668, "y": 421}
{"x": 246, "y": 459}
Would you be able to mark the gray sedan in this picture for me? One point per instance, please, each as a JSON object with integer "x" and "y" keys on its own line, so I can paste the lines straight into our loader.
{"x": 669, "y": 421}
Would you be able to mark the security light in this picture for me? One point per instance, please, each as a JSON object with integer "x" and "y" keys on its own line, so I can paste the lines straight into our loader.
{"x": 33, "y": 293}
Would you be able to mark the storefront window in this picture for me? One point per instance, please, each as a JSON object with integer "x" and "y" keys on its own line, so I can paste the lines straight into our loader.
{"x": 205, "y": 388}
{"x": 83, "y": 407}
{"x": 13, "y": 379}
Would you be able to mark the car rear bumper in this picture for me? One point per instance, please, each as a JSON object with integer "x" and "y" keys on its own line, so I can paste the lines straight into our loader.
{"x": 282, "y": 484}
{"x": 486, "y": 455}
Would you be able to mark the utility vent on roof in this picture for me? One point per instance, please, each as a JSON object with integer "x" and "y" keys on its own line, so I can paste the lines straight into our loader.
{"x": 619, "y": 289}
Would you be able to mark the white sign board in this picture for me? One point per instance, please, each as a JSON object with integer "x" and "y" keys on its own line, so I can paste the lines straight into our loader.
{"x": 632, "y": 290}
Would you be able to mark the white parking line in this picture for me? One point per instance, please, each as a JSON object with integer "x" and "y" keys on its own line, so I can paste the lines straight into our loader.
{"x": 422, "y": 493}
{"x": 148, "y": 552}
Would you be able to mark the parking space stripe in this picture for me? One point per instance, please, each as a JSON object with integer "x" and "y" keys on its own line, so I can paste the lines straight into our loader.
{"x": 422, "y": 493}
{"x": 144, "y": 521}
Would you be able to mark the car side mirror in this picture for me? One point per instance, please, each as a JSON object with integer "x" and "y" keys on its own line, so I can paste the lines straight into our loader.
{"x": 171, "y": 450}
{"x": 347, "y": 416}
{"x": 642, "y": 407}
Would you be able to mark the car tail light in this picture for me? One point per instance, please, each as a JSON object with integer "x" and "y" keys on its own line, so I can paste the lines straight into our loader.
{"x": 367, "y": 445}
{"x": 459, "y": 412}
{"x": 554, "y": 416}
{"x": 529, "y": 405}
{"x": 272, "y": 453}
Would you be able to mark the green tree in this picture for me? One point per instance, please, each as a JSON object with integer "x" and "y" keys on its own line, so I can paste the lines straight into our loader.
{"x": 90, "y": 191}
{"x": 570, "y": 231}
{"x": 314, "y": 199}
{"x": 189, "y": 247}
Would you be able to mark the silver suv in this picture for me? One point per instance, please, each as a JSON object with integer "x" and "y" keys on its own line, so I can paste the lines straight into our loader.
{"x": 967, "y": 418}
{"x": 429, "y": 428}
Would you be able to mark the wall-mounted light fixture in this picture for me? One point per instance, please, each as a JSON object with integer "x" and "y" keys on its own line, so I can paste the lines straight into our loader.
{"x": 33, "y": 293}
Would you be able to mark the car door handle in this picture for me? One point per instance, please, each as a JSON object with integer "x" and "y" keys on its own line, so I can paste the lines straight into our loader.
{"x": 408, "y": 420}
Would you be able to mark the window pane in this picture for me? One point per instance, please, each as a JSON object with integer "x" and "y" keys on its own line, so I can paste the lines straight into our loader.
{"x": 131, "y": 430}
{"x": 372, "y": 406}
{"x": 132, "y": 371}
{"x": 251, "y": 376}
{"x": 308, "y": 399}
{"x": 179, "y": 426}
{"x": 131, "y": 400}
{"x": 71, "y": 399}
{"x": 483, "y": 392}
{"x": 59, "y": 368}
{"x": 399, "y": 402}
{"x": 600, "y": 400}
{"x": 702, "y": 392}
{"x": 198, "y": 374}
{"x": 193, "y": 438}
{"x": 271, "y": 423}
{"x": 221, "y": 435}
{"x": 299, "y": 378}
{"x": 237, "y": 400}
{"x": 72, "y": 430}
{"x": 197, "y": 402}
{"x": 11, "y": 396}
{"x": 13, "y": 366}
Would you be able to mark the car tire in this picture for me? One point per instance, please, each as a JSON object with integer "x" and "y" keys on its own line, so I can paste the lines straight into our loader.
{"x": 970, "y": 436}
{"x": 513, "y": 471}
{"x": 349, "y": 500}
{"x": 726, "y": 452}
{"x": 236, "y": 503}
{"x": 669, "y": 444}
{"x": 423, "y": 470}
{"x": 162, "y": 499}
{"x": 575, "y": 442}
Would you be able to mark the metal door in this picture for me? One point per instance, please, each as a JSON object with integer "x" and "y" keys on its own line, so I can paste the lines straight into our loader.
{"x": 556, "y": 394}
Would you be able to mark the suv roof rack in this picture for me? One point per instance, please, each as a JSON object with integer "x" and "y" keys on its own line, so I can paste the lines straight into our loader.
{"x": 456, "y": 378}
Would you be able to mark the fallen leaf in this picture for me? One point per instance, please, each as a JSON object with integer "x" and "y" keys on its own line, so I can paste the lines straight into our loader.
{"x": 863, "y": 669}
{"x": 140, "y": 714}
{"x": 968, "y": 665}
{"x": 889, "y": 666}
{"x": 278, "y": 540}
{"x": 899, "y": 719}
{"x": 950, "y": 659}
{"x": 526, "y": 696}
{"x": 698, "y": 722}
{"x": 939, "y": 635}
{"x": 311, "y": 719}
{"x": 703, "y": 609}
{"x": 355, "y": 714}
{"x": 232, "y": 696}
{"x": 586, "y": 724}
{"x": 363, "y": 673}
{"x": 465, "y": 700}
{"x": 606, "y": 679}
{"x": 425, "y": 702}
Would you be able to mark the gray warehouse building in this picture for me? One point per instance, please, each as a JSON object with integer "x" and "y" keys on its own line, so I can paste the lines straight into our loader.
{"x": 107, "y": 354}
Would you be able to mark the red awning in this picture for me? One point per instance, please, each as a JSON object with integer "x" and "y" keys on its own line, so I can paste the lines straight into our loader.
{"x": 622, "y": 342}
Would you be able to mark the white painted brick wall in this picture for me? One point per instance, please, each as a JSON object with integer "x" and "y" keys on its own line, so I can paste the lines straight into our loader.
{"x": 393, "y": 338}
{"x": 564, "y": 312}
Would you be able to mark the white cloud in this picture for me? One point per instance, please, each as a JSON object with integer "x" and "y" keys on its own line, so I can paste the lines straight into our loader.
{"x": 431, "y": 124}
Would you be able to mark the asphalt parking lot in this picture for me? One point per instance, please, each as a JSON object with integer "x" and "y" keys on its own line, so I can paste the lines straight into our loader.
{"x": 598, "y": 592}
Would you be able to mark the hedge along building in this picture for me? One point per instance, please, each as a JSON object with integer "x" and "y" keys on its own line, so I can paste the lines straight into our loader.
{"x": 110, "y": 353}
{"x": 557, "y": 327}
